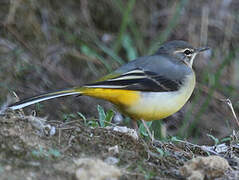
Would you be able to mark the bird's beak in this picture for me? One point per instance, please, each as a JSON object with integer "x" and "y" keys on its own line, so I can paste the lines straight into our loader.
{"x": 198, "y": 50}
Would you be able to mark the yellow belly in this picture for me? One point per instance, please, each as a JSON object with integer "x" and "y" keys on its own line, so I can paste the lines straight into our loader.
{"x": 146, "y": 105}
{"x": 120, "y": 97}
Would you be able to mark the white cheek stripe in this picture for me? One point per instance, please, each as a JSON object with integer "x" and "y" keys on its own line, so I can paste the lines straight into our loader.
{"x": 192, "y": 58}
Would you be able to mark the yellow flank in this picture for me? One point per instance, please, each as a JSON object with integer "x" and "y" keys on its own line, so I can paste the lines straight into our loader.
{"x": 120, "y": 97}
{"x": 145, "y": 105}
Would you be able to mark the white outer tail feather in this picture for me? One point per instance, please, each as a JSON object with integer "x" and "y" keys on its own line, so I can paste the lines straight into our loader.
{"x": 39, "y": 99}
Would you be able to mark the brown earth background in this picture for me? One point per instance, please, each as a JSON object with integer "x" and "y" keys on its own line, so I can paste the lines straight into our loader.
{"x": 47, "y": 45}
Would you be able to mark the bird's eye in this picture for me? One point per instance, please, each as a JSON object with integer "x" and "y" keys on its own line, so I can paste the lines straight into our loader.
{"x": 187, "y": 52}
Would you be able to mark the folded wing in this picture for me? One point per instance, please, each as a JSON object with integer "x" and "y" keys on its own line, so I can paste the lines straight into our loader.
{"x": 140, "y": 80}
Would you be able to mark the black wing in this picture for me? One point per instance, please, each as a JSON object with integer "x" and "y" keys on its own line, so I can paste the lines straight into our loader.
{"x": 140, "y": 80}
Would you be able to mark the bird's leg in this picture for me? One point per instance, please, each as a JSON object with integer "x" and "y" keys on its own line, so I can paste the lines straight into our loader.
{"x": 147, "y": 128}
{"x": 135, "y": 125}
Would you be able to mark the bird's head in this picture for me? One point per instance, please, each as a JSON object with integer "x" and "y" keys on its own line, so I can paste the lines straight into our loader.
{"x": 180, "y": 51}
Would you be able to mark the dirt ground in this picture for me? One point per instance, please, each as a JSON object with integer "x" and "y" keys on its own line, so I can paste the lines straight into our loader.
{"x": 48, "y": 45}
{"x": 33, "y": 148}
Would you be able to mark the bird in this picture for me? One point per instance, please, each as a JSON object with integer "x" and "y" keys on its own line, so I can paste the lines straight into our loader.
{"x": 148, "y": 88}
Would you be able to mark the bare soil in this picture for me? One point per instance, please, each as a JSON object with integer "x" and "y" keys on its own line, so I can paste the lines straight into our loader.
{"x": 28, "y": 151}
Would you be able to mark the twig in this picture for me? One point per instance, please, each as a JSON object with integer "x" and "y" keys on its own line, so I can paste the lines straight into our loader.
{"x": 19, "y": 38}
{"x": 69, "y": 144}
{"x": 14, "y": 4}
{"x": 195, "y": 145}
{"x": 229, "y": 103}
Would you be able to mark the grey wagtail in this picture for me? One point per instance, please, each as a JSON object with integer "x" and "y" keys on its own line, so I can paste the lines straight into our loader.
{"x": 148, "y": 88}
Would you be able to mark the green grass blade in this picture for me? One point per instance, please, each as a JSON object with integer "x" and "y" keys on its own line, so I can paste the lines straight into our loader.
{"x": 124, "y": 24}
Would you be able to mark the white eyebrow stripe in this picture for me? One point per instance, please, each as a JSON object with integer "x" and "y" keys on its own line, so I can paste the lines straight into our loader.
{"x": 182, "y": 50}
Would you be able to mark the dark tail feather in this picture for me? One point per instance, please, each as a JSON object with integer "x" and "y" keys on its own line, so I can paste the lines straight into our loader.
{"x": 43, "y": 97}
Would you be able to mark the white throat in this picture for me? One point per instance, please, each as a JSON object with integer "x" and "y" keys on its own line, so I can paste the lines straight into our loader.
{"x": 192, "y": 58}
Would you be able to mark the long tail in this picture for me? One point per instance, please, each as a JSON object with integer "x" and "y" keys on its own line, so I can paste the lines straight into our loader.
{"x": 35, "y": 99}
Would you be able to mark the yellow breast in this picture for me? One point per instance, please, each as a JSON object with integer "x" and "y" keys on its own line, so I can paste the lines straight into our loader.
{"x": 158, "y": 105}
